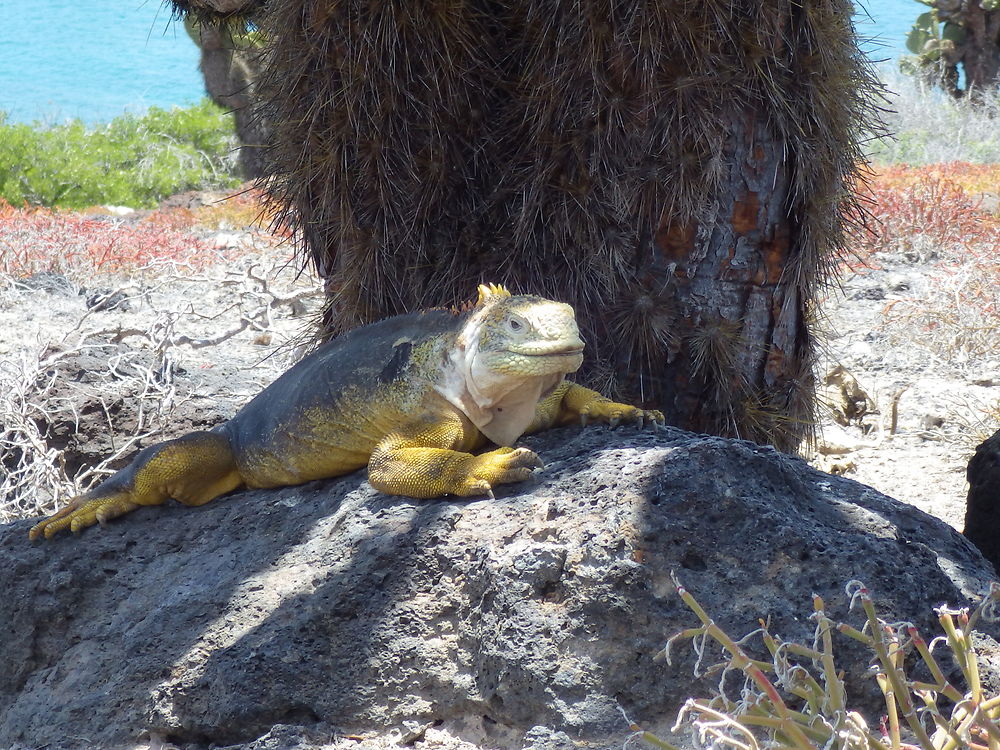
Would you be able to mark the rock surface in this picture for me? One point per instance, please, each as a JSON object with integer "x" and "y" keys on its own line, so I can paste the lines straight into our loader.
{"x": 293, "y": 617}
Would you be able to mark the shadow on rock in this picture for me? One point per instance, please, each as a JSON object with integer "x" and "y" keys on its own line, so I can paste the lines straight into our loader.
{"x": 540, "y": 613}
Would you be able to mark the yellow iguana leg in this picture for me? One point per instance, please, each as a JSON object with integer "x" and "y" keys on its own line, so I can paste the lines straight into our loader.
{"x": 193, "y": 469}
{"x": 415, "y": 462}
{"x": 573, "y": 403}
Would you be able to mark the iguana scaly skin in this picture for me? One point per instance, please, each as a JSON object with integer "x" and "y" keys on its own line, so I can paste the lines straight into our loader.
{"x": 412, "y": 397}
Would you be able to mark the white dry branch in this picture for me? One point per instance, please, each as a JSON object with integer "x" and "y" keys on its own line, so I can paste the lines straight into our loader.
{"x": 38, "y": 392}
{"x": 34, "y": 478}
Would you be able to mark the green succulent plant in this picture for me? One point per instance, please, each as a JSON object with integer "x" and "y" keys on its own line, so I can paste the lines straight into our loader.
{"x": 929, "y": 35}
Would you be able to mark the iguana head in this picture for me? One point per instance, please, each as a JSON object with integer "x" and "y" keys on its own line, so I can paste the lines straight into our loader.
{"x": 512, "y": 351}
{"x": 523, "y": 336}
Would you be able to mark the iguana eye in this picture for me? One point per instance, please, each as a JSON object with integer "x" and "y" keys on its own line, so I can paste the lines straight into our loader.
{"x": 515, "y": 324}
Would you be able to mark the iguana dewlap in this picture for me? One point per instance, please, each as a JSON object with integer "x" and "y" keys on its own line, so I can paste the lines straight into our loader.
{"x": 412, "y": 397}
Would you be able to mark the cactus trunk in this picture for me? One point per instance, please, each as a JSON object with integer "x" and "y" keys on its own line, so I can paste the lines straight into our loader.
{"x": 681, "y": 173}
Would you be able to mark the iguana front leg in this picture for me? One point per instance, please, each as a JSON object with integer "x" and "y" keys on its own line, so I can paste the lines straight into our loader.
{"x": 432, "y": 459}
{"x": 570, "y": 403}
{"x": 193, "y": 469}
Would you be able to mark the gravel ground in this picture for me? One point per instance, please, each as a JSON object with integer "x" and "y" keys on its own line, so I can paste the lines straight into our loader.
{"x": 946, "y": 400}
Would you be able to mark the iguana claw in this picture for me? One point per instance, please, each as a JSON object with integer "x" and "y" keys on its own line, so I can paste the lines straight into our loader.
{"x": 613, "y": 413}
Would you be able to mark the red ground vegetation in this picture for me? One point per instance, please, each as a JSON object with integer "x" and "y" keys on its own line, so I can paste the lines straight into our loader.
{"x": 947, "y": 215}
{"x": 34, "y": 239}
{"x": 948, "y": 204}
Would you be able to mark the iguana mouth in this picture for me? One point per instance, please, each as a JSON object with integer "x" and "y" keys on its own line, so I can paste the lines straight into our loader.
{"x": 552, "y": 353}
{"x": 552, "y": 349}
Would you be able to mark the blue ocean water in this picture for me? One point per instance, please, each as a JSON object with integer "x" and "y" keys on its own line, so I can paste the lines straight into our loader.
{"x": 884, "y": 24}
{"x": 98, "y": 58}
{"x": 93, "y": 59}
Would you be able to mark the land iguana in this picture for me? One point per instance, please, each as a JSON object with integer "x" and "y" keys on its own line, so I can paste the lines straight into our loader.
{"x": 412, "y": 397}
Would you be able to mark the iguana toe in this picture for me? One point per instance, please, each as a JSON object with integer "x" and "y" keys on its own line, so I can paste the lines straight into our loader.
{"x": 652, "y": 417}
{"x": 54, "y": 523}
{"x": 501, "y": 466}
{"x": 613, "y": 414}
{"x": 81, "y": 513}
